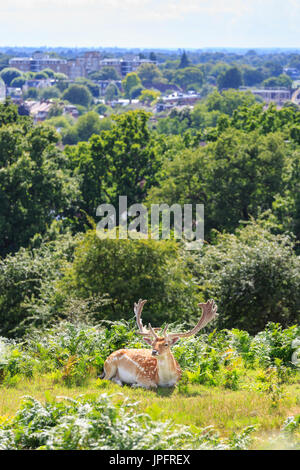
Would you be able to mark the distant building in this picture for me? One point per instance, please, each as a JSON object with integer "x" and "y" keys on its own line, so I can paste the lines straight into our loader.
{"x": 39, "y": 62}
{"x": 277, "y": 95}
{"x": 2, "y": 91}
{"x": 41, "y": 83}
{"x": 177, "y": 99}
{"x": 39, "y": 110}
{"x": 91, "y": 61}
{"x": 14, "y": 93}
{"x": 128, "y": 66}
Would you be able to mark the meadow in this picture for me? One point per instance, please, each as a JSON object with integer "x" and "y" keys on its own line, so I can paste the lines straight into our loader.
{"x": 237, "y": 392}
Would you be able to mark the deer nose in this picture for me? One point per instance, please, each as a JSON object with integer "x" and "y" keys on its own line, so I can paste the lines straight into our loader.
{"x": 154, "y": 352}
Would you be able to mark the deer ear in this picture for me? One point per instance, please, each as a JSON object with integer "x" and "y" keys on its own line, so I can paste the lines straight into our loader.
{"x": 174, "y": 340}
{"x": 148, "y": 341}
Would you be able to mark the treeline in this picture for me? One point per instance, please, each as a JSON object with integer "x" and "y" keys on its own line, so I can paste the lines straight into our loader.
{"x": 244, "y": 167}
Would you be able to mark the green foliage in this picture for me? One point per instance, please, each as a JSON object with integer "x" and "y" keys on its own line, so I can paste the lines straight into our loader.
{"x": 111, "y": 92}
{"x": 35, "y": 185}
{"x": 31, "y": 93}
{"x": 92, "y": 87}
{"x": 184, "y": 61}
{"x": 101, "y": 424}
{"x": 49, "y": 72}
{"x": 254, "y": 277}
{"x": 116, "y": 162}
{"x": 131, "y": 80}
{"x": 229, "y": 100}
{"x": 282, "y": 80}
{"x": 188, "y": 77}
{"x": 8, "y": 113}
{"x": 149, "y": 96}
{"x": 26, "y": 284}
{"x": 50, "y": 92}
{"x": 18, "y": 82}
{"x": 197, "y": 176}
{"x": 8, "y": 74}
{"x": 149, "y": 74}
{"x": 231, "y": 78}
{"x": 106, "y": 73}
{"x": 78, "y": 94}
{"x": 128, "y": 270}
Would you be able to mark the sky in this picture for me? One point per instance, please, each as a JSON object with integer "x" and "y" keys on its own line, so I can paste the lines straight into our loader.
{"x": 150, "y": 23}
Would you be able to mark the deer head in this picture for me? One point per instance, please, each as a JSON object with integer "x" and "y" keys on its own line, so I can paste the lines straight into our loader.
{"x": 161, "y": 343}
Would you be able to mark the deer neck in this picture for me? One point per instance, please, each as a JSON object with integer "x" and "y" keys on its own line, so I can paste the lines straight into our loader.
{"x": 166, "y": 369}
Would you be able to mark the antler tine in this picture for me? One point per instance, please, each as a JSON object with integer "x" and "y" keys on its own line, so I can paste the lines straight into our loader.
{"x": 165, "y": 330}
{"x": 138, "y": 307}
{"x": 209, "y": 312}
{"x": 152, "y": 331}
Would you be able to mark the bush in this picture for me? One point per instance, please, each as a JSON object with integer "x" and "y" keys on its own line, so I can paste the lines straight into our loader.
{"x": 127, "y": 270}
{"x": 78, "y": 94}
{"x": 253, "y": 276}
{"x": 26, "y": 284}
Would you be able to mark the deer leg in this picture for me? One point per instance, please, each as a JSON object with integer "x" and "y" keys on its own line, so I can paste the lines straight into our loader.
{"x": 110, "y": 370}
{"x": 145, "y": 384}
{"x": 116, "y": 379}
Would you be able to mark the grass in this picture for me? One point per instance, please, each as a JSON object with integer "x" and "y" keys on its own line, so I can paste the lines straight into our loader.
{"x": 197, "y": 405}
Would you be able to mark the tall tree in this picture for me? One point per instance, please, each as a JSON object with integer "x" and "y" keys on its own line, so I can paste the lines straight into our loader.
{"x": 184, "y": 61}
{"x": 35, "y": 185}
{"x": 231, "y": 78}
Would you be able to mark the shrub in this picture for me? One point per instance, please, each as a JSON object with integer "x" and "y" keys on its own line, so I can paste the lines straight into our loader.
{"x": 127, "y": 270}
{"x": 254, "y": 277}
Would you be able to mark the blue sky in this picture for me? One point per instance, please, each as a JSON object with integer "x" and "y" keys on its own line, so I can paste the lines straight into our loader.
{"x": 150, "y": 23}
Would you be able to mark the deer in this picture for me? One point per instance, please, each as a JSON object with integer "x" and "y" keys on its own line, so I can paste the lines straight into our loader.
{"x": 148, "y": 368}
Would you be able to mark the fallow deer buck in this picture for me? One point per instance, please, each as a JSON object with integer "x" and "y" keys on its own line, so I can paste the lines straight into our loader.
{"x": 146, "y": 368}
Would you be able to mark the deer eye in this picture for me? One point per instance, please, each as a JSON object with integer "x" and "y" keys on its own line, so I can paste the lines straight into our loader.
{"x": 166, "y": 344}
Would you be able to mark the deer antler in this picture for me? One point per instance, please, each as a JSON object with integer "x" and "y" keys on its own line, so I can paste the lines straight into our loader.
{"x": 138, "y": 307}
{"x": 209, "y": 312}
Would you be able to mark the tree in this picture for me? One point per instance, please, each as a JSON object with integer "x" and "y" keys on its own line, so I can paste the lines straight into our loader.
{"x": 111, "y": 92}
{"x": 106, "y": 73}
{"x": 18, "y": 82}
{"x": 50, "y": 92}
{"x": 122, "y": 161}
{"x": 27, "y": 281}
{"x": 229, "y": 100}
{"x": 149, "y": 73}
{"x": 87, "y": 125}
{"x": 280, "y": 81}
{"x": 32, "y": 93}
{"x": 184, "y": 61}
{"x": 192, "y": 76}
{"x": 8, "y": 113}
{"x": 136, "y": 91}
{"x": 41, "y": 76}
{"x": 8, "y": 74}
{"x": 49, "y": 72}
{"x": 252, "y": 76}
{"x": 93, "y": 87}
{"x": 127, "y": 270}
{"x": 231, "y": 78}
{"x": 254, "y": 277}
{"x": 78, "y": 94}
{"x": 226, "y": 176}
{"x": 131, "y": 80}
{"x": 35, "y": 185}
{"x": 148, "y": 96}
